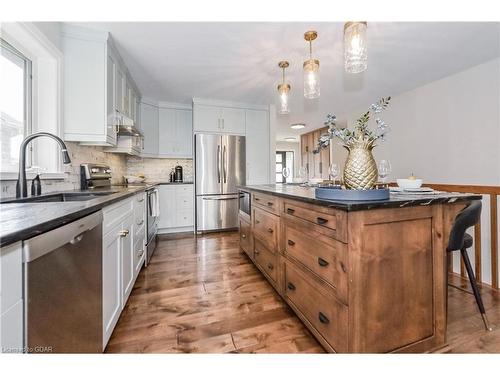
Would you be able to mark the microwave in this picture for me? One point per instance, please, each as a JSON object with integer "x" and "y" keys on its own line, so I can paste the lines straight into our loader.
{"x": 244, "y": 202}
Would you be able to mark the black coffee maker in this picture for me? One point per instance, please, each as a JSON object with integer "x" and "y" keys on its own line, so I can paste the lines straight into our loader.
{"x": 178, "y": 174}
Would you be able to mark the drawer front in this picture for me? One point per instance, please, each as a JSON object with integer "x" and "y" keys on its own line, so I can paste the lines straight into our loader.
{"x": 139, "y": 215}
{"x": 324, "y": 256}
{"x": 322, "y": 310}
{"x": 266, "y": 259}
{"x": 246, "y": 239}
{"x": 116, "y": 213}
{"x": 266, "y": 201}
{"x": 139, "y": 250}
{"x": 265, "y": 227}
{"x": 330, "y": 219}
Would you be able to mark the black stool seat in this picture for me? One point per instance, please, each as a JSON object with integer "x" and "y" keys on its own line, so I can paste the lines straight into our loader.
{"x": 461, "y": 241}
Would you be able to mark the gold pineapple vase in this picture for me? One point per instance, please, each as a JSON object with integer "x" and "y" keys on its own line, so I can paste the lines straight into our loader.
{"x": 360, "y": 171}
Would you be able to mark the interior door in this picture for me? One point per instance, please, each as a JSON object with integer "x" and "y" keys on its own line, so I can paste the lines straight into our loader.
{"x": 208, "y": 160}
{"x": 233, "y": 163}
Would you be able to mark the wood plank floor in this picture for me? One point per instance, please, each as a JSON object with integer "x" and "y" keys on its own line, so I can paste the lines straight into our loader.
{"x": 204, "y": 295}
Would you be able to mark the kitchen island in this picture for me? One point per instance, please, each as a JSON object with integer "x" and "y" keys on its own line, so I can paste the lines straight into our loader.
{"x": 362, "y": 276}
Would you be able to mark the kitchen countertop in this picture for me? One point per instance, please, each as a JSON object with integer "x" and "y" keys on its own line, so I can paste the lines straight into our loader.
{"x": 20, "y": 221}
{"x": 306, "y": 194}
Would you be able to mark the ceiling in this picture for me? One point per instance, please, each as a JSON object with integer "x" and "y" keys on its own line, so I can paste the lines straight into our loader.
{"x": 176, "y": 61}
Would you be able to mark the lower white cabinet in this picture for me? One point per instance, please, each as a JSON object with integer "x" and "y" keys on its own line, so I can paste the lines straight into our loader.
{"x": 123, "y": 256}
{"x": 257, "y": 147}
{"x": 176, "y": 208}
{"x": 11, "y": 299}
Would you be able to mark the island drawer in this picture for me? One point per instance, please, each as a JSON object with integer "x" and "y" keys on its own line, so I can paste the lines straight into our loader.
{"x": 267, "y": 202}
{"x": 319, "y": 307}
{"x": 324, "y": 256}
{"x": 265, "y": 227}
{"x": 328, "y": 218}
{"x": 266, "y": 259}
{"x": 246, "y": 238}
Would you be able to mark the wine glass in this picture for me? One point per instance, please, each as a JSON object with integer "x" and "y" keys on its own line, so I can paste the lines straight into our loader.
{"x": 285, "y": 173}
{"x": 384, "y": 169}
{"x": 303, "y": 174}
{"x": 334, "y": 171}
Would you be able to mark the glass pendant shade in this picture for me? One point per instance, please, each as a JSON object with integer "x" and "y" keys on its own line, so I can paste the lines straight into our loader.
{"x": 283, "y": 96}
{"x": 311, "y": 79}
{"x": 355, "y": 47}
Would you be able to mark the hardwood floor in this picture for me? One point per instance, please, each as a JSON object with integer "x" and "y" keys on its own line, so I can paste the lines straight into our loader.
{"x": 204, "y": 295}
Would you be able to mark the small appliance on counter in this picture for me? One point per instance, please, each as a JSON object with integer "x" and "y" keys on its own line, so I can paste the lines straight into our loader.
{"x": 178, "y": 174}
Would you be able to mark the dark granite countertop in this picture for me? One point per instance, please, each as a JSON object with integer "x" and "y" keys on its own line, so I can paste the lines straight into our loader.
{"x": 307, "y": 194}
{"x": 20, "y": 221}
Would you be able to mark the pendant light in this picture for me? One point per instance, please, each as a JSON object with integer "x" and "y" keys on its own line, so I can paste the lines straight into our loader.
{"x": 311, "y": 70}
{"x": 283, "y": 90}
{"x": 355, "y": 48}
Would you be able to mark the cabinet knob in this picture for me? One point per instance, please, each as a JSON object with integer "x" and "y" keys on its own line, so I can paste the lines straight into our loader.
{"x": 270, "y": 230}
{"x": 291, "y": 243}
{"x": 290, "y": 286}
{"x": 124, "y": 233}
{"x": 322, "y": 318}
{"x": 322, "y": 262}
{"x": 140, "y": 223}
{"x": 270, "y": 266}
{"x": 257, "y": 221}
{"x": 257, "y": 252}
{"x": 243, "y": 235}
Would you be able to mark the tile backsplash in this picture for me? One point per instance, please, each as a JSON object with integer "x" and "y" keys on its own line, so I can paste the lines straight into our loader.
{"x": 121, "y": 164}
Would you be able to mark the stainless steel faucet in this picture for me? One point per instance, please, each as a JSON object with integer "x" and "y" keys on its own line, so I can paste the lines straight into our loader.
{"x": 22, "y": 188}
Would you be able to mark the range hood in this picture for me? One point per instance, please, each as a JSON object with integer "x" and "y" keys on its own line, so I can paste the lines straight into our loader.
{"x": 126, "y": 126}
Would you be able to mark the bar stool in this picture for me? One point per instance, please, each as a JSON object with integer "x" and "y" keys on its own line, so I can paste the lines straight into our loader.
{"x": 461, "y": 241}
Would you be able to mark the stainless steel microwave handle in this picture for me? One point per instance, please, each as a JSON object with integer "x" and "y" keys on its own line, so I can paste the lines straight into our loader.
{"x": 71, "y": 233}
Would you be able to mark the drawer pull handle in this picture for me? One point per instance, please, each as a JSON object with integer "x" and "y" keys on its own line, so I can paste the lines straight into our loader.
{"x": 322, "y": 318}
{"x": 257, "y": 199}
{"x": 342, "y": 265}
{"x": 321, "y": 221}
{"x": 270, "y": 230}
{"x": 291, "y": 243}
{"x": 257, "y": 252}
{"x": 243, "y": 235}
{"x": 270, "y": 266}
{"x": 291, "y": 286}
{"x": 322, "y": 262}
{"x": 290, "y": 211}
{"x": 141, "y": 200}
{"x": 270, "y": 203}
{"x": 124, "y": 233}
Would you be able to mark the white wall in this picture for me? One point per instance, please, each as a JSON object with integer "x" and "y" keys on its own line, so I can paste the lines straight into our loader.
{"x": 290, "y": 146}
{"x": 447, "y": 131}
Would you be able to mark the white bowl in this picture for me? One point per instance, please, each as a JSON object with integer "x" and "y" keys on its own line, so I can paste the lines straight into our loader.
{"x": 406, "y": 183}
{"x": 134, "y": 179}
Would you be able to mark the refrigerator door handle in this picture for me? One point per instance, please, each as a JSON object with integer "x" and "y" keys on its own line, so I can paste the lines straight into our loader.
{"x": 224, "y": 161}
{"x": 218, "y": 163}
{"x": 219, "y": 199}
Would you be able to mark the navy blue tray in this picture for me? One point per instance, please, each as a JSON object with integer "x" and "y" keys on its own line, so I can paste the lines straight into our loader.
{"x": 334, "y": 193}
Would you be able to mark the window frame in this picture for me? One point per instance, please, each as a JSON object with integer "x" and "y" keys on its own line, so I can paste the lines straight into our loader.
{"x": 28, "y": 98}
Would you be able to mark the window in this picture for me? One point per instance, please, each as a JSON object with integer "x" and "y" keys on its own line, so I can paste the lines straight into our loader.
{"x": 15, "y": 105}
{"x": 284, "y": 159}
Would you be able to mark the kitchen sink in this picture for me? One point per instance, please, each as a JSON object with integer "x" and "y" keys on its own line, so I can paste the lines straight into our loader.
{"x": 60, "y": 197}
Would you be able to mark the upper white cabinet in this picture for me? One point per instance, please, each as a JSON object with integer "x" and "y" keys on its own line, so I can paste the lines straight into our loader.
{"x": 218, "y": 119}
{"x": 98, "y": 90}
{"x": 149, "y": 126}
{"x": 257, "y": 147}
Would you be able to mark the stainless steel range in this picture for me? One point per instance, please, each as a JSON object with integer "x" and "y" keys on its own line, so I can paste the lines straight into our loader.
{"x": 98, "y": 176}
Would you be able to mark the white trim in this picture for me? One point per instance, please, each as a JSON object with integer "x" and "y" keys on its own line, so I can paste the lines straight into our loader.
{"x": 175, "y": 105}
{"x": 12, "y": 176}
{"x": 223, "y": 103}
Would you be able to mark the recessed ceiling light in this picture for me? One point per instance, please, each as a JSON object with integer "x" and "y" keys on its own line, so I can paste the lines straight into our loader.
{"x": 298, "y": 126}
{"x": 290, "y": 139}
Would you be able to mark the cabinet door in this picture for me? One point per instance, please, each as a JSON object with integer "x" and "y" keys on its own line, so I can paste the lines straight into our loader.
{"x": 233, "y": 120}
{"x": 127, "y": 257}
{"x": 167, "y": 206}
{"x": 138, "y": 251}
{"x": 149, "y": 127}
{"x": 119, "y": 93}
{"x": 111, "y": 286}
{"x": 206, "y": 118}
{"x": 257, "y": 147}
{"x": 184, "y": 133}
{"x": 131, "y": 104}
{"x": 110, "y": 101}
{"x": 167, "y": 131}
{"x": 184, "y": 206}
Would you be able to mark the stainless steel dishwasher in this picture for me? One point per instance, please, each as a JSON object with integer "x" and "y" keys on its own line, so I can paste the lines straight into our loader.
{"x": 63, "y": 288}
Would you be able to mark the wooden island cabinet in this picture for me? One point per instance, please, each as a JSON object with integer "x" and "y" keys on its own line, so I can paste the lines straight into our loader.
{"x": 364, "y": 278}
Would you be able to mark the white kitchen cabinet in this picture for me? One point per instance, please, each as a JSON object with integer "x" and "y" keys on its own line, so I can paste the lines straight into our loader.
{"x": 176, "y": 208}
{"x": 208, "y": 118}
{"x": 96, "y": 86}
{"x": 149, "y": 127}
{"x": 257, "y": 147}
{"x": 127, "y": 144}
{"x": 11, "y": 299}
{"x": 175, "y": 133}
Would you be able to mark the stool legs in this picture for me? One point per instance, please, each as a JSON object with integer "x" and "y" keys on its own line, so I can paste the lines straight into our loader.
{"x": 475, "y": 289}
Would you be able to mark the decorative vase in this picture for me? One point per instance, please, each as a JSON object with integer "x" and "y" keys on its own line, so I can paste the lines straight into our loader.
{"x": 360, "y": 171}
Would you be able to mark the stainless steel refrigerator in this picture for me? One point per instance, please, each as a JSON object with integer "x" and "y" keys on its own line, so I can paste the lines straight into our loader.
{"x": 219, "y": 169}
